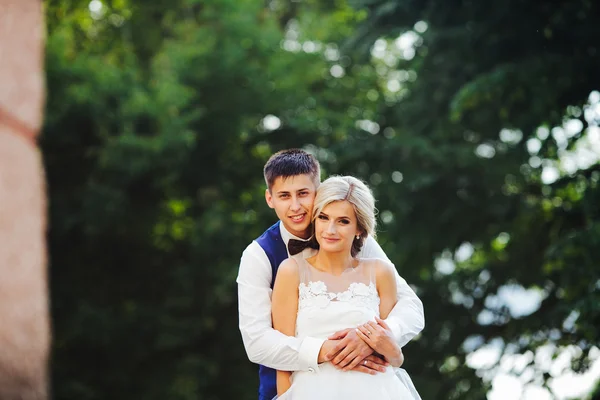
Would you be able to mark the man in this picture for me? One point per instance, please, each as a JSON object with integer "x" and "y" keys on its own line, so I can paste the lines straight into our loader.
{"x": 292, "y": 178}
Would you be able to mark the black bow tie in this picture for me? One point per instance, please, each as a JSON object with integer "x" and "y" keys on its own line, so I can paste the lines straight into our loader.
{"x": 296, "y": 246}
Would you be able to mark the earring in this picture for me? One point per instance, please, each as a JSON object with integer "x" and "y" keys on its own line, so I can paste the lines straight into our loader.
{"x": 357, "y": 237}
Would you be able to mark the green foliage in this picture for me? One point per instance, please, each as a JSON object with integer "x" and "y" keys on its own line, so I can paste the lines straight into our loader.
{"x": 483, "y": 68}
{"x": 154, "y": 147}
{"x": 155, "y": 137}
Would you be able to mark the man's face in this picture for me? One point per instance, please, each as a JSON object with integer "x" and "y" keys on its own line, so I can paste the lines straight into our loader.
{"x": 292, "y": 199}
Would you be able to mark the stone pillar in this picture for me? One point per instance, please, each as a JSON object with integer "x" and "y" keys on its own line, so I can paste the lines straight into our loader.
{"x": 24, "y": 321}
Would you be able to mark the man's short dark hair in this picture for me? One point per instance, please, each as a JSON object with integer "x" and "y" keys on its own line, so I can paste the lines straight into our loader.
{"x": 291, "y": 162}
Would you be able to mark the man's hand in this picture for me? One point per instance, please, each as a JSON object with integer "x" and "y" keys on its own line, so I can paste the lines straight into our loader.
{"x": 327, "y": 350}
{"x": 349, "y": 351}
{"x": 372, "y": 365}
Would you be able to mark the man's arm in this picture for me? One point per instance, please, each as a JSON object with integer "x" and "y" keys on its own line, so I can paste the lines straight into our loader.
{"x": 406, "y": 320}
{"x": 264, "y": 345}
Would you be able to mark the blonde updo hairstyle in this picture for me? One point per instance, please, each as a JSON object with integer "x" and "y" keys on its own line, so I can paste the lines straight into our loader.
{"x": 357, "y": 193}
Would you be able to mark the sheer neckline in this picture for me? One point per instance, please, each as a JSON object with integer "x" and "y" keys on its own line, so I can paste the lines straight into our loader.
{"x": 355, "y": 267}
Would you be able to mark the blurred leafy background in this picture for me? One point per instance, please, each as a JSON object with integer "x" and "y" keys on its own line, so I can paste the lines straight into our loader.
{"x": 475, "y": 123}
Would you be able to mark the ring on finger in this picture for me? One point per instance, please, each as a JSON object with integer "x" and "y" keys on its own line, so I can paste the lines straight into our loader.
{"x": 365, "y": 362}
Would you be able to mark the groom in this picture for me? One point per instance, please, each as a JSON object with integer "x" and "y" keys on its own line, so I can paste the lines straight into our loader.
{"x": 292, "y": 178}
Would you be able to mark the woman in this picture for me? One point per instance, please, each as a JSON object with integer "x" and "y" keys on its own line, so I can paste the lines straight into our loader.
{"x": 332, "y": 290}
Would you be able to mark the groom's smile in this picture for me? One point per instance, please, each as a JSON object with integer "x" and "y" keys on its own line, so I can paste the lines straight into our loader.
{"x": 298, "y": 218}
{"x": 292, "y": 199}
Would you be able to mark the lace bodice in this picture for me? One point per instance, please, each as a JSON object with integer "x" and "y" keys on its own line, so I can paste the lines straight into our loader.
{"x": 328, "y": 303}
{"x": 316, "y": 294}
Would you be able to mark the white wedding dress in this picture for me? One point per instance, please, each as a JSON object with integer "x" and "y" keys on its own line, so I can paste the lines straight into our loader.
{"x": 331, "y": 303}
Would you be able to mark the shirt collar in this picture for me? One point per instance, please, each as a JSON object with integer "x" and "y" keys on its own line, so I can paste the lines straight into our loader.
{"x": 286, "y": 235}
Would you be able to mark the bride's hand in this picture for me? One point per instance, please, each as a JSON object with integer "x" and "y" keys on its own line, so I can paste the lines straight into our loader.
{"x": 380, "y": 338}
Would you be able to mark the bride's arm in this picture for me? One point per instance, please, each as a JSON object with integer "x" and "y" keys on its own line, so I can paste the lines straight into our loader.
{"x": 386, "y": 287}
{"x": 406, "y": 318}
{"x": 284, "y": 310}
{"x": 378, "y": 334}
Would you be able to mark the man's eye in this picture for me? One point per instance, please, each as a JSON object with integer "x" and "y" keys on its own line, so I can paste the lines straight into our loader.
{"x": 283, "y": 196}
{"x": 303, "y": 194}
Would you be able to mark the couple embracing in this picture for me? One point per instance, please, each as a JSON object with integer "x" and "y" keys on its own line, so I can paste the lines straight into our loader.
{"x": 321, "y": 308}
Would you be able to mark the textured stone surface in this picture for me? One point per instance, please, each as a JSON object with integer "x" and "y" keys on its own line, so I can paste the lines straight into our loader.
{"x": 24, "y": 322}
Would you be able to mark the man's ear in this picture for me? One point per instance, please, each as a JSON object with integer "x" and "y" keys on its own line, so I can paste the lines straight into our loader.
{"x": 269, "y": 198}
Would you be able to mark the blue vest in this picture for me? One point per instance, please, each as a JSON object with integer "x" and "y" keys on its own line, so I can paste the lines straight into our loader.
{"x": 274, "y": 246}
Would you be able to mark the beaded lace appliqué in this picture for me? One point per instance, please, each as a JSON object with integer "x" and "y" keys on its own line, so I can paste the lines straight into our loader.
{"x": 315, "y": 294}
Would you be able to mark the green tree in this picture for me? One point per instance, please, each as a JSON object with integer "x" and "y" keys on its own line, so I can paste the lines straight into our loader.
{"x": 160, "y": 116}
{"x": 159, "y": 119}
{"x": 486, "y": 102}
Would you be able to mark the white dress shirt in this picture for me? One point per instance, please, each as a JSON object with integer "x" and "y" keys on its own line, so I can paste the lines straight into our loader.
{"x": 272, "y": 348}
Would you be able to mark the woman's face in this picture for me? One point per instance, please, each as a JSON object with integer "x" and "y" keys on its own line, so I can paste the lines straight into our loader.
{"x": 336, "y": 227}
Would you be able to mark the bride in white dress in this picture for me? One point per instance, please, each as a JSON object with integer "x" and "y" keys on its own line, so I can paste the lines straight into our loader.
{"x": 333, "y": 290}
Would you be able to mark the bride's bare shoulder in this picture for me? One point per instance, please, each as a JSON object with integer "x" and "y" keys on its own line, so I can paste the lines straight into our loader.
{"x": 377, "y": 263}
{"x": 288, "y": 270}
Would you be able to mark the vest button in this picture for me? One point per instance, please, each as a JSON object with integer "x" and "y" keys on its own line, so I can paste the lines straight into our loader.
{"x": 311, "y": 370}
